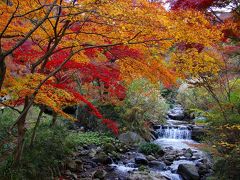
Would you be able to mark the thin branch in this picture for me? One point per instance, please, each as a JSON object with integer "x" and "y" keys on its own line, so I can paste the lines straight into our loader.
{"x": 30, "y": 32}
{"x": 7, "y": 25}
{"x": 11, "y": 107}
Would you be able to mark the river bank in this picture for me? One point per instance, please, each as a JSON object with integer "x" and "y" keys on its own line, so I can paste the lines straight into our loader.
{"x": 177, "y": 160}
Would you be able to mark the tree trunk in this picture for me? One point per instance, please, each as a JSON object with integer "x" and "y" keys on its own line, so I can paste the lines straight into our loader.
{"x": 54, "y": 119}
{"x": 36, "y": 126}
{"x": 21, "y": 133}
{"x": 2, "y": 71}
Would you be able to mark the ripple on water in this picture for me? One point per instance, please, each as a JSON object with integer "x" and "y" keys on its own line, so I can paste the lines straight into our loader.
{"x": 175, "y": 143}
{"x": 170, "y": 175}
{"x": 123, "y": 168}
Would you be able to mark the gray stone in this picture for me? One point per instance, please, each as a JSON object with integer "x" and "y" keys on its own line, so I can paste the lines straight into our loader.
{"x": 197, "y": 133}
{"x": 176, "y": 116}
{"x": 180, "y": 153}
{"x": 131, "y": 138}
{"x": 102, "y": 158}
{"x": 168, "y": 163}
{"x": 176, "y": 113}
{"x": 151, "y": 158}
{"x": 98, "y": 149}
{"x": 160, "y": 166}
{"x": 188, "y": 155}
{"x": 100, "y": 174}
{"x": 194, "y": 157}
{"x": 188, "y": 172}
{"x": 140, "y": 159}
{"x": 189, "y": 151}
{"x": 170, "y": 157}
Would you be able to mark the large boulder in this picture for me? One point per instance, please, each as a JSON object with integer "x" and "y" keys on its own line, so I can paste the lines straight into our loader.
{"x": 131, "y": 138}
{"x": 179, "y": 117}
{"x": 188, "y": 172}
{"x": 197, "y": 132}
{"x": 203, "y": 168}
{"x": 140, "y": 159}
{"x": 158, "y": 165}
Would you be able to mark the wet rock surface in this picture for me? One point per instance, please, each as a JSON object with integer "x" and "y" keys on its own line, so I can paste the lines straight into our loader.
{"x": 142, "y": 175}
{"x": 133, "y": 165}
{"x": 188, "y": 172}
{"x": 177, "y": 161}
{"x": 198, "y": 132}
{"x": 176, "y": 113}
{"x": 140, "y": 159}
{"x": 131, "y": 138}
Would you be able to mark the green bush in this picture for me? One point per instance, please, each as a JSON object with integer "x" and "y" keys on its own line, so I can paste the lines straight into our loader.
{"x": 228, "y": 167}
{"x": 51, "y": 147}
{"x": 87, "y": 138}
{"x": 149, "y": 148}
{"x": 43, "y": 159}
{"x": 7, "y": 146}
{"x": 196, "y": 98}
{"x": 143, "y": 106}
{"x": 220, "y": 105}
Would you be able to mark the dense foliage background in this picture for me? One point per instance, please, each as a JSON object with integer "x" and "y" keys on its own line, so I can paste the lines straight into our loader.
{"x": 79, "y": 73}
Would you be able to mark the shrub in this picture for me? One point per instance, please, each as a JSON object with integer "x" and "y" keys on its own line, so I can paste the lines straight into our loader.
{"x": 220, "y": 106}
{"x": 150, "y": 148}
{"x": 228, "y": 167}
{"x": 147, "y": 97}
{"x": 6, "y": 142}
{"x": 143, "y": 106}
{"x": 196, "y": 98}
{"x": 43, "y": 159}
{"x": 87, "y": 138}
{"x": 50, "y": 149}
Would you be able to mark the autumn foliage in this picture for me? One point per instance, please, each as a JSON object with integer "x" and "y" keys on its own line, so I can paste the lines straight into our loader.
{"x": 51, "y": 50}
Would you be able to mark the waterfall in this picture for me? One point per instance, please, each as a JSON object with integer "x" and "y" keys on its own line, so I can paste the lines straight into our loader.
{"x": 174, "y": 132}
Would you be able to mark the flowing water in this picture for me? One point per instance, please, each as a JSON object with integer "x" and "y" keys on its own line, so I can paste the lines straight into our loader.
{"x": 174, "y": 132}
{"x": 176, "y": 135}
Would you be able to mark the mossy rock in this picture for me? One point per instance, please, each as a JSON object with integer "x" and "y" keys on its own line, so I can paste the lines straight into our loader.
{"x": 151, "y": 148}
{"x": 109, "y": 147}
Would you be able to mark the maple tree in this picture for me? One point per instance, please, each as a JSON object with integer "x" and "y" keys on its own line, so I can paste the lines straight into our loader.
{"x": 45, "y": 43}
{"x": 220, "y": 55}
{"x": 220, "y": 87}
{"x": 202, "y": 4}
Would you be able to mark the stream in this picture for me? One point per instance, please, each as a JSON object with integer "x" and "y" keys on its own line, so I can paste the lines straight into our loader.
{"x": 175, "y": 139}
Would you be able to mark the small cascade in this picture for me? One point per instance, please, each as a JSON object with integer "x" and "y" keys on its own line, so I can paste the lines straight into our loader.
{"x": 175, "y": 139}
{"x": 174, "y": 132}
